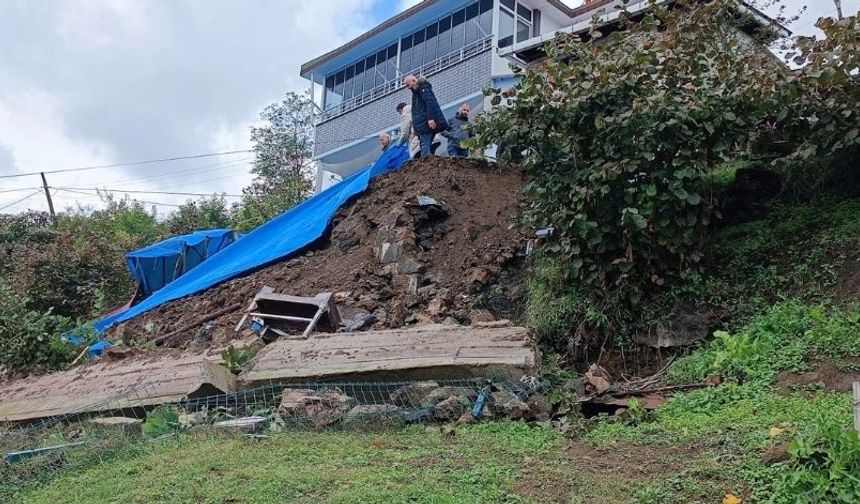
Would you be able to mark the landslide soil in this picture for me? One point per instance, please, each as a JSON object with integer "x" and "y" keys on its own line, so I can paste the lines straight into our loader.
{"x": 459, "y": 257}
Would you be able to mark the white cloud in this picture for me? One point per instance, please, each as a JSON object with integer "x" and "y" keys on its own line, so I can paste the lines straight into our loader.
{"x": 105, "y": 81}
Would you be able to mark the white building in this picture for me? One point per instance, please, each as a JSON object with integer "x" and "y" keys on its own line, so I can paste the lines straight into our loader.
{"x": 461, "y": 46}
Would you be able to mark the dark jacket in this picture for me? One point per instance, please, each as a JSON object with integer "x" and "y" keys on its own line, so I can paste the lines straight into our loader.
{"x": 457, "y": 129}
{"x": 426, "y": 107}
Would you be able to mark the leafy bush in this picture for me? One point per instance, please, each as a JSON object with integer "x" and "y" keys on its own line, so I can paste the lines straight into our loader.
{"x": 623, "y": 139}
{"x": 782, "y": 340}
{"x": 235, "y": 360}
{"x": 825, "y": 467}
{"x": 29, "y": 340}
{"x": 160, "y": 421}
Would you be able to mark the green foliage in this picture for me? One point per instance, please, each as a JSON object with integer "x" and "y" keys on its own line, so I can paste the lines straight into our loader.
{"x": 205, "y": 213}
{"x": 29, "y": 340}
{"x": 235, "y": 360}
{"x": 625, "y": 142}
{"x": 784, "y": 339}
{"x": 282, "y": 148}
{"x": 824, "y": 467}
{"x": 161, "y": 421}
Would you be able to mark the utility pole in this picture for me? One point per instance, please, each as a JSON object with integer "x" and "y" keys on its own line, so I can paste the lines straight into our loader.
{"x": 838, "y": 9}
{"x": 48, "y": 195}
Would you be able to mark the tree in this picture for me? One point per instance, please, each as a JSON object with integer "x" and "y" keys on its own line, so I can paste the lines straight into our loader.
{"x": 205, "y": 213}
{"x": 283, "y": 146}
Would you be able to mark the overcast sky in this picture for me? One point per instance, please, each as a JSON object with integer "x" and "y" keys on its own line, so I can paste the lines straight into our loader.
{"x": 91, "y": 82}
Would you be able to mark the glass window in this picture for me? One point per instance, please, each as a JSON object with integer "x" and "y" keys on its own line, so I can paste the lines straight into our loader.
{"x": 473, "y": 32}
{"x": 431, "y": 43}
{"x": 406, "y": 54}
{"x": 486, "y": 19}
{"x": 381, "y": 65}
{"x": 536, "y": 23}
{"x": 391, "y": 64}
{"x": 369, "y": 73}
{"x": 509, "y": 4}
{"x": 506, "y": 28}
{"x": 524, "y": 12}
{"x": 458, "y": 33}
{"x": 417, "y": 50}
{"x": 349, "y": 83}
{"x": 359, "y": 79}
{"x": 444, "y": 38}
{"x": 524, "y": 31}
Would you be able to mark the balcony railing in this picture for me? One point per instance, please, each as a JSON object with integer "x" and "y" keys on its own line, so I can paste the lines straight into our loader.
{"x": 426, "y": 70}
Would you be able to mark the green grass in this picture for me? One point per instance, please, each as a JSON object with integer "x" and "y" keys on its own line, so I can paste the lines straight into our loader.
{"x": 481, "y": 463}
{"x": 734, "y": 420}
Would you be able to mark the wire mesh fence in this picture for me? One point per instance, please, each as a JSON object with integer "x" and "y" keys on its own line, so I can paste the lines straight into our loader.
{"x": 102, "y": 431}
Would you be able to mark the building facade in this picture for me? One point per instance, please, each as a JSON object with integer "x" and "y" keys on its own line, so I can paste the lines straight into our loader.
{"x": 461, "y": 46}
{"x": 453, "y": 43}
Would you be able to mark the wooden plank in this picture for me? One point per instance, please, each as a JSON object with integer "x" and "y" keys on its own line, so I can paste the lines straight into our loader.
{"x": 446, "y": 351}
{"x": 856, "y": 388}
{"x": 108, "y": 385}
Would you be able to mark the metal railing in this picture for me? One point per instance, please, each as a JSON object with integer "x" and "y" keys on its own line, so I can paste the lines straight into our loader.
{"x": 435, "y": 66}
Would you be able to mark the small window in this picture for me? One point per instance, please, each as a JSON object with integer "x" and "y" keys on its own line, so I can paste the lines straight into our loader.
{"x": 524, "y": 31}
{"x": 510, "y": 4}
{"x": 506, "y": 28}
{"x": 524, "y": 12}
{"x": 486, "y": 6}
{"x": 536, "y": 15}
{"x": 472, "y": 11}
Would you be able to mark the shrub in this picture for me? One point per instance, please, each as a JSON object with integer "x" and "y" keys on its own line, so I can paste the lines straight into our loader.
{"x": 623, "y": 139}
{"x": 29, "y": 340}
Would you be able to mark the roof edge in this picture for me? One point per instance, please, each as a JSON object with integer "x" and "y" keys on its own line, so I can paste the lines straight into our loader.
{"x": 319, "y": 60}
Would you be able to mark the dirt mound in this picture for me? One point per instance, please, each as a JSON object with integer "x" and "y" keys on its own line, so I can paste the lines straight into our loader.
{"x": 826, "y": 375}
{"x": 424, "y": 244}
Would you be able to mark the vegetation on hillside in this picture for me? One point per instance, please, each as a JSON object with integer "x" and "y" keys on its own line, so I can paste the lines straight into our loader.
{"x": 55, "y": 276}
{"x": 627, "y": 143}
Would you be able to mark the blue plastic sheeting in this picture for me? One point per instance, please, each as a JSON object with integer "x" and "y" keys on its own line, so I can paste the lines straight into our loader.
{"x": 155, "y": 266}
{"x": 272, "y": 242}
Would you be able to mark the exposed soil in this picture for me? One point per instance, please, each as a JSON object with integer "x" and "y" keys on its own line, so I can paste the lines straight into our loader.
{"x": 826, "y": 375}
{"x": 449, "y": 261}
{"x": 848, "y": 286}
{"x": 604, "y": 475}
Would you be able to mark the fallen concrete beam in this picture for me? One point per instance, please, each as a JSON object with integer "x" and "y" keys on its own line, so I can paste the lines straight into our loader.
{"x": 110, "y": 385}
{"x": 424, "y": 353}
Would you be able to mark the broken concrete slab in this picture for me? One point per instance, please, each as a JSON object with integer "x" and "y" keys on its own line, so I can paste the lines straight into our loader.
{"x": 433, "y": 351}
{"x": 107, "y": 385}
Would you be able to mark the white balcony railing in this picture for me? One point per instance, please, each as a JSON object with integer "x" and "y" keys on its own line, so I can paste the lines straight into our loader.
{"x": 426, "y": 70}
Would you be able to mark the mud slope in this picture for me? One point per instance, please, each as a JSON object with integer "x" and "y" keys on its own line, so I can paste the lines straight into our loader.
{"x": 450, "y": 255}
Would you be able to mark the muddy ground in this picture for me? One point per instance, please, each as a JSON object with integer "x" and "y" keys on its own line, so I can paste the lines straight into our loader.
{"x": 457, "y": 260}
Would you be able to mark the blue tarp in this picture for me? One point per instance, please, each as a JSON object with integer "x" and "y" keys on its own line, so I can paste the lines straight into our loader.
{"x": 269, "y": 243}
{"x": 157, "y": 265}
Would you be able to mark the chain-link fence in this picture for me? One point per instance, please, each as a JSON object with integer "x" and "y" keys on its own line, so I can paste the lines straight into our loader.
{"x": 100, "y": 432}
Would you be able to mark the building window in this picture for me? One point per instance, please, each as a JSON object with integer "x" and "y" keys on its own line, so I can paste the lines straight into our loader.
{"x": 441, "y": 38}
{"x": 517, "y": 23}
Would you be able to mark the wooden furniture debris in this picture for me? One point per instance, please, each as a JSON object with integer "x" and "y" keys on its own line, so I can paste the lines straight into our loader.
{"x": 428, "y": 352}
{"x": 278, "y": 312}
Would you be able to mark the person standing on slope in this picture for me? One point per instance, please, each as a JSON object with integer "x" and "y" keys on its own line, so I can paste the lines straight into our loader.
{"x": 457, "y": 132}
{"x": 427, "y": 118}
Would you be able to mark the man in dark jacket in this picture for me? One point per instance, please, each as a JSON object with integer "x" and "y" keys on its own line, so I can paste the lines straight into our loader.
{"x": 457, "y": 132}
{"x": 427, "y": 118}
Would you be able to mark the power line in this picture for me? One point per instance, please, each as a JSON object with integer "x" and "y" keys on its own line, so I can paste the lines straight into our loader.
{"x": 139, "y": 200}
{"x": 149, "y": 192}
{"x": 18, "y": 189}
{"x": 20, "y": 200}
{"x": 192, "y": 171}
{"x": 132, "y": 163}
